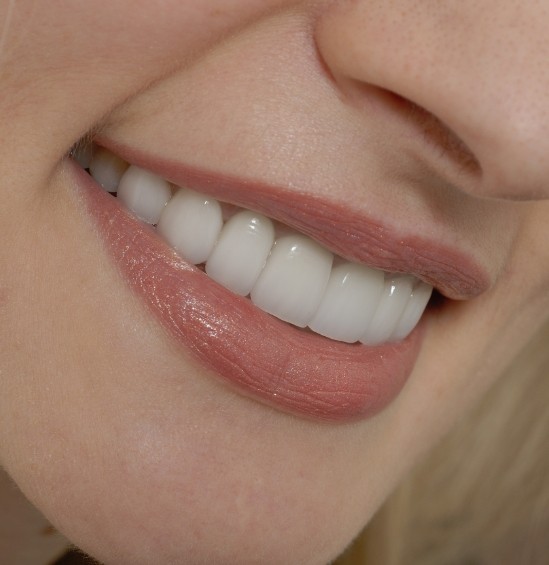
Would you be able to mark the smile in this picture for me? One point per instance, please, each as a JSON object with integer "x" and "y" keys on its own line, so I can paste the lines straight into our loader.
{"x": 284, "y": 273}
{"x": 236, "y": 287}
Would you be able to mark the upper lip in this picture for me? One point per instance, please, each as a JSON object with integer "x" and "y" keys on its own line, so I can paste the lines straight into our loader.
{"x": 352, "y": 234}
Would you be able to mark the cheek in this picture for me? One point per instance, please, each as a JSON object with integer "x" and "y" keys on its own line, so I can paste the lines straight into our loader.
{"x": 82, "y": 61}
{"x": 136, "y": 453}
{"x": 144, "y": 459}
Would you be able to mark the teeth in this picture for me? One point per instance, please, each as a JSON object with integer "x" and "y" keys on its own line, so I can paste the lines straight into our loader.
{"x": 394, "y": 299}
{"x": 191, "y": 223}
{"x": 289, "y": 276}
{"x": 144, "y": 194}
{"x": 107, "y": 169}
{"x": 241, "y": 251}
{"x": 293, "y": 281}
{"x": 349, "y": 302}
{"x": 413, "y": 311}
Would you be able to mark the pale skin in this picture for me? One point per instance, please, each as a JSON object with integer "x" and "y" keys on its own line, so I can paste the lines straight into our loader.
{"x": 129, "y": 446}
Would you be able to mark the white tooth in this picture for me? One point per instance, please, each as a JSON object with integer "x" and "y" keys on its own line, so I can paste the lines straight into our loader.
{"x": 191, "y": 223}
{"x": 241, "y": 251}
{"x": 413, "y": 311}
{"x": 349, "y": 302}
{"x": 83, "y": 154}
{"x": 293, "y": 281}
{"x": 394, "y": 299}
{"x": 107, "y": 169}
{"x": 144, "y": 194}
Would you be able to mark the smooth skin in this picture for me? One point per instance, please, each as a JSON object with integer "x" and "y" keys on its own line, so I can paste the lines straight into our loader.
{"x": 426, "y": 114}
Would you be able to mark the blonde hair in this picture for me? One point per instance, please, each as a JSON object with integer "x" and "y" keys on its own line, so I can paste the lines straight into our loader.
{"x": 482, "y": 496}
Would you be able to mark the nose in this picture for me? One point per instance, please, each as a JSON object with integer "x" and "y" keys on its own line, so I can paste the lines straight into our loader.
{"x": 480, "y": 68}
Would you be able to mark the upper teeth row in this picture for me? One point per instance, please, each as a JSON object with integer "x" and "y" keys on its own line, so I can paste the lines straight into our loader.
{"x": 289, "y": 276}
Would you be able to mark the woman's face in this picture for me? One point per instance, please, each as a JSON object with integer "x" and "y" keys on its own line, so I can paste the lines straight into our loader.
{"x": 152, "y": 415}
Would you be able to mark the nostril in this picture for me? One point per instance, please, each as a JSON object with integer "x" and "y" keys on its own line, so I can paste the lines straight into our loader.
{"x": 438, "y": 134}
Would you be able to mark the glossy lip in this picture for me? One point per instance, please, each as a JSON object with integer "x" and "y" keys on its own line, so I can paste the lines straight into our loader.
{"x": 292, "y": 370}
{"x": 346, "y": 232}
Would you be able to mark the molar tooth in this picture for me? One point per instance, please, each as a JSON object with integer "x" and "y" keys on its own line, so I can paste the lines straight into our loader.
{"x": 349, "y": 302}
{"x": 413, "y": 311}
{"x": 144, "y": 193}
{"x": 241, "y": 251}
{"x": 107, "y": 169}
{"x": 191, "y": 223}
{"x": 293, "y": 280}
{"x": 394, "y": 299}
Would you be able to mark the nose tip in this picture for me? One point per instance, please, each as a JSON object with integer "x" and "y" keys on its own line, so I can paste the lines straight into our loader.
{"x": 512, "y": 147}
{"x": 482, "y": 76}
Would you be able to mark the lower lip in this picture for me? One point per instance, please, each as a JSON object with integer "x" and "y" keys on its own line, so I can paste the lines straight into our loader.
{"x": 290, "y": 369}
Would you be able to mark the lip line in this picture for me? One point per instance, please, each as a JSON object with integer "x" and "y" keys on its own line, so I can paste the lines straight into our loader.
{"x": 349, "y": 233}
{"x": 300, "y": 373}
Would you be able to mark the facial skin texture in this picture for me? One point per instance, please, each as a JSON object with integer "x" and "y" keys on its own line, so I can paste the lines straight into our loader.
{"x": 135, "y": 451}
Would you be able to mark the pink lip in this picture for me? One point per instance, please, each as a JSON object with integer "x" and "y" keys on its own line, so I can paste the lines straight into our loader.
{"x": 344, "y": 231}
{"x": 290, "y": 369}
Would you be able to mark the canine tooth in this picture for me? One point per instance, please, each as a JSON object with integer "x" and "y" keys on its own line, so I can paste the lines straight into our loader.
{"x": 293, "y": 280}
{"x": 413, "y": 311}
{"x": 107, "y": 169}
{"x": 241, "y": 251}
{"x": 394, "y": 299}
{"x": 144, "y": 193}
{"x": 191, "y": 223}
{"x": 349, "y": 302}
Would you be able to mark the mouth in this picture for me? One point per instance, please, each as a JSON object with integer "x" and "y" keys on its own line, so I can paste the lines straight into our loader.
{"x": 275, "y": 292}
